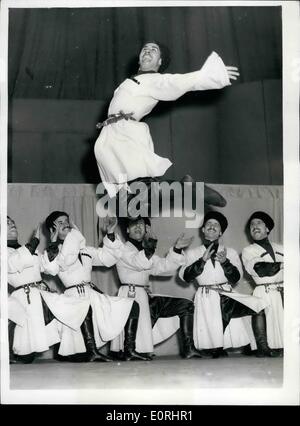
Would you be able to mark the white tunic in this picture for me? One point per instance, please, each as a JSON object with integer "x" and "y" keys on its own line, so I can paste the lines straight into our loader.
{"x": 31, "y": 334}
{"x": 135, "y": 268}
{"x": 109, "y": 313}
{"x": 274, "y": 311}
{"x": 124, "y": 150}
{"x": 208, "y": 325}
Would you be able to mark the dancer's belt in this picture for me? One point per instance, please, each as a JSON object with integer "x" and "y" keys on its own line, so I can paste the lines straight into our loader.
{"x": 28, "y": 286}
{"x": 206, "y": 288}
{"x": 268, "y": 286}
{"x": 81, "y": 288}
{"x": 131, "y": 290}
{"x": 113, "y": 118}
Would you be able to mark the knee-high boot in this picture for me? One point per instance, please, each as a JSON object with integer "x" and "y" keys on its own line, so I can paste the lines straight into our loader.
{"x": 88, "y": 336}
{"x": 129, "y": 342}
{"x": 260, "y": 333}
{"x": 11, "y": 330}
{"x": 189, "y": 350}
{"x": 13, "y": 358}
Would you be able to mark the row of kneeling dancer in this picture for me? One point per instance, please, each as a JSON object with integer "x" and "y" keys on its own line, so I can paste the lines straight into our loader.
{"x": 83, "y": 319}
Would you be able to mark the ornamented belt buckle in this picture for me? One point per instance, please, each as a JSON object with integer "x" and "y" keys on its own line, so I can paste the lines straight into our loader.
{"x": 131, "y": 291}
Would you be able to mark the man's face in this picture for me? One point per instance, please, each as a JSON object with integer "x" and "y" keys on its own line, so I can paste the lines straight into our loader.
{"x": 212, "y": 230}
{"x": 12, "y": 232}
{"x": 137, "y": 230}
{"x": 258, "y": 229}
{"x": 63, "y": 226}
{"x": 150, "y": 57}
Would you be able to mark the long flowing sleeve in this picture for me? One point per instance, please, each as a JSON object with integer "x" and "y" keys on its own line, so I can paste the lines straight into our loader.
{"x": 166, "y": 265}
{"x": 49, "y": 266}
{"x": 70, "y": 249}
{"x": 168, "y": 87}
{"x": 53, "y": 261}
{"x": 136, "y": 261}
{"x": 109, "y": 254}
{"x": 19, "y": 259}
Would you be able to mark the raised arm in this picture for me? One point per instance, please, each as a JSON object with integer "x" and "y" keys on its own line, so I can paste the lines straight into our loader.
{"x": 214, "y": 74}
{"x": 174, "y": 259}
{"x": 22, "y": 258}
{"x": 109, "y": 253}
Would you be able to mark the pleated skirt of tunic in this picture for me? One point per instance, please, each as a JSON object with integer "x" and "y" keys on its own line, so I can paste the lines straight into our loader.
{"x": 109, "y": 315}
{"x": 124, "y": 151}
{"x": 208, "y": 324}
{"x": 31, "y": 333}
{"x": 274, "y": 314}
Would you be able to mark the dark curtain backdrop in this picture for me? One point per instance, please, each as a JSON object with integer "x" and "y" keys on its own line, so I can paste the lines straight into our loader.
{"x": 85, "y": 53}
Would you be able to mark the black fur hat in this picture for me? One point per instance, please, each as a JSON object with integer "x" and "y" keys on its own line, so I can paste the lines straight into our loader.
{"x": 217, "y": 216}
{"x": 269, "y": 222}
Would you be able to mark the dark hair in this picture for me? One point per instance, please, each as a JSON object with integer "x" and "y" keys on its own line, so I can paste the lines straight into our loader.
{"x": 164, "y": 53}
{"x": 49, "y": 222}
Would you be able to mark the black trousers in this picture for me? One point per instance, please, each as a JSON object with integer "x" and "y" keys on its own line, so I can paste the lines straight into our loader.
{"x": 165, "y": 307}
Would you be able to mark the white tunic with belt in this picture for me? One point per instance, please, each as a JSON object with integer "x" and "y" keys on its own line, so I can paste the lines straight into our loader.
{"x": 31, "y": 334}
{"x": 208, "y": 324}
{"x": 74, "y": 265}
{"x": 268, "y": 288}
{"x": 124, "y": 150}
{"x": 135, "y": 268}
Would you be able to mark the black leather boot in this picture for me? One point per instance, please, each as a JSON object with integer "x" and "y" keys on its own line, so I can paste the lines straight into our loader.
{"x": 189, "y": 350}
{"x": 211, "y": 196}
{"x": 260, "y": 333}
{"x": 88, "y": 336}
{"x": 13, "y": 358}
{"x": 129, "y": 342}
{"x": 247, "y": 351}
{"x": 219, "y": 353}
{"x": 24, "y": 359}
{"x": 11, "y": 330}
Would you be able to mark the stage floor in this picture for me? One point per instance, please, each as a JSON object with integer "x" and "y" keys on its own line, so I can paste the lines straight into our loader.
{"x": 168, "y": 372}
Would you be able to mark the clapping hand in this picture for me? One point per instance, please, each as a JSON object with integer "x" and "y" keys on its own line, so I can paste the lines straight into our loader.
{"x": 183, "y": 242}
{"x": 110, "y": 223}
{"x": 221, "y": 256}
{"x": 208, "y": 252}
{"x": 54, "y": 232}
{"x": 37, "y": 232}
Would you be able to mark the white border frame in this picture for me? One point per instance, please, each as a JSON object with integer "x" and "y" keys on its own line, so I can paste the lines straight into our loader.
{"x": 289, "y": 393}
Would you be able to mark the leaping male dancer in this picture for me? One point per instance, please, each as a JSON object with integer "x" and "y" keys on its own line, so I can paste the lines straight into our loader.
{"x": 124, "y": 149}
